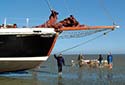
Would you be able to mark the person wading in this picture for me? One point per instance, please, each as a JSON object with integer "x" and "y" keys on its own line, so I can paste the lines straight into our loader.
{"x": 80, "y": 60}
{"x": 100, "y": 59}
{"x": 60, "y": 63}
{"x": 110, "y": 60}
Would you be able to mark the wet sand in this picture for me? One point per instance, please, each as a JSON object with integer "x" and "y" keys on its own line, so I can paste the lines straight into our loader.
{"x": 47, "y": 74}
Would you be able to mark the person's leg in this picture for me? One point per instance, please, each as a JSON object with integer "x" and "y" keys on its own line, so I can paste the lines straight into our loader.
{"x": 60, "y": 70}
{"x": 99, "y": 62}
{"x": 110, "y": 63}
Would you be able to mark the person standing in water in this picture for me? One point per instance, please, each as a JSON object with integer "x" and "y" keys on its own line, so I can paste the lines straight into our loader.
{"x": 110, "y": 60}
{"x": 80, "y": 60}
{"x": 100, "y": 59}
{"x": 60, "y": 63}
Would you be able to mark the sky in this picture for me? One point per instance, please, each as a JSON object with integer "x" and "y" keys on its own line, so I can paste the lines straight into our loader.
{"x": 88, "y": 12}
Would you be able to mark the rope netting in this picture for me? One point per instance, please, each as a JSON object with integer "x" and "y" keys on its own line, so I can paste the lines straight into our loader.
{"x": 79, "y": 34}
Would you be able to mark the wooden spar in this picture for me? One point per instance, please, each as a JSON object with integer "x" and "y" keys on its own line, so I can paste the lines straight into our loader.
{"x": 86, "y": 28}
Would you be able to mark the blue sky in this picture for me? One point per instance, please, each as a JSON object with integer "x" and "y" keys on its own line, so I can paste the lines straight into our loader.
{"x": 89, "y": 12}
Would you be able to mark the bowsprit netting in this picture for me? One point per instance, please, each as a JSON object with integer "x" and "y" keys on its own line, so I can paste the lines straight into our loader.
{"x": 79, "y": 34}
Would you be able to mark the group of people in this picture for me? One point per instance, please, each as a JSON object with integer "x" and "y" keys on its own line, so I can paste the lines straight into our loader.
{"x": 109, "y": 59}
{"x": 61, "y": 61}
{"x": 8, "y": 26}
{"x": 52, "y": 21}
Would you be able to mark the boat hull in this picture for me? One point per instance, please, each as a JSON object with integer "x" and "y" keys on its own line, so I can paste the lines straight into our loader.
{"x": 25, "y": 50}
{"x": 10, "y": 66}
{"x": 29, "y": 45}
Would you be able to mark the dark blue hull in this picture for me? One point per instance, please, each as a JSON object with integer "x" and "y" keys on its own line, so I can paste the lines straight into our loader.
{"x": 25, "y": 45}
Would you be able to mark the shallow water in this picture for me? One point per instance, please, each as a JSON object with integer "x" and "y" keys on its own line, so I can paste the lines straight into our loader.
{"x": 47, "y": 74}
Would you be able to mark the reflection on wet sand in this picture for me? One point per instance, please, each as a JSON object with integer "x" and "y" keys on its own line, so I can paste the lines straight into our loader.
{"x": 18, "y": 78}
{"x": 109, "y": 76}
{"x": 60, "y": 80}
{"x": 47, "y": 75}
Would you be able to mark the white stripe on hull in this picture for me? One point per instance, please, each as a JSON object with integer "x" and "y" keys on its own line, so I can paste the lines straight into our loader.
{"x": 43, "y": 58}
{"x": 13, "y": 31}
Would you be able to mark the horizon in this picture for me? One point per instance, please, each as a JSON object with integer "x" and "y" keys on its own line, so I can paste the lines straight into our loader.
{"x": 88, "y": 54}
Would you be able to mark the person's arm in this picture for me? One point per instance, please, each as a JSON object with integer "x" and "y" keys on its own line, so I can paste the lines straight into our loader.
{"x": 55, "y": 56}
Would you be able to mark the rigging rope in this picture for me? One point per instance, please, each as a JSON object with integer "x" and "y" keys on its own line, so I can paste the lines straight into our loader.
{"x": 67, "y": 8}
{"x": 48, "y": 3}
{"x": 82, "y": 43}
{"x": 106, "y": 11}
{"x": 89, "y": 33}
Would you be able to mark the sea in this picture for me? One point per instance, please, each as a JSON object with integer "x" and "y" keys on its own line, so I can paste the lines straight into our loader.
{"x": 47, "y": 74}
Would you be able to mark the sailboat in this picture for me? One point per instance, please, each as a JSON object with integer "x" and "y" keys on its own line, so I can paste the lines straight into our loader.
{"x": 23, "y": 48}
